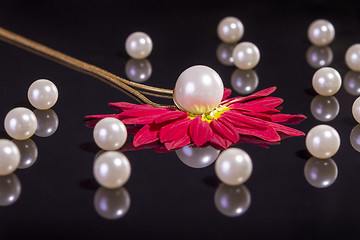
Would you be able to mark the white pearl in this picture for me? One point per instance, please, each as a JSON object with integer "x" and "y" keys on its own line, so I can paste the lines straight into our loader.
{"x": 110, "y": 133}
{"x": 321, "y": 32}
{"x": 326, "y": 81}
{"x": 224, "y": 53}
{"x": 112, "y": 204}
{"x": 320, "y": 173}
{"x": 10, "y": 189}
{"x": 138, "y": 45}
{"x": 352, "y": 57}
{"x": 352, "y": 83}
{"x": 20, "y": 123}
{"x": 230, "y": 29}
{"x": 112, "y": 169}
{"x": 233, "y": 166}
{"x": 246, "y": 55}
{"x": 355, "y": 137}
{"x": 244, "y": 81}
{"x": 9, "y": 157}
{"x": 322, "y": 141}
{"x": 138, "y": 70}
{"x": 43, "y": 94}
{"x": 325, "y": 108}
{"x": 48, "y": 122}
{"x": 199, "y": 89}
{"x": 318, "y": 57}
{"x": 28, "y": 152}
{"x": 356, "y": 109}
{"x": 197, "y": 157}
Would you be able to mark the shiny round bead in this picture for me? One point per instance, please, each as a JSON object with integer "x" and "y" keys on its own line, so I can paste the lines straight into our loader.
{"x": 326, "y": 81}
{"x": 199, "y": 89}
{"x": 356, "y": 109}
{"x": 325, "y": 108}
{"x": 244, "y": 81}
{"x": 112, "y": 169}
{"x": 43, "y": 94}
{"x": 321, "y": 32}
{"x": 20, "y": 123}
{"x": 224, "y": 53}
{"x": 318, "y": 57}
{"x": 233, "y": 166}
{"x": 352, "y": 57}
{"x": 48, "y": 122}
{"x": 138, "y": 45}
{"x": 138, "y": 70}
{"x": 352, "y": 83}
{"x": 110, "y": 133}
{"x": 355, "y": 137}
{"x": 322, "y": 141}
{"x": 246, "y": 55}
{"x": 230, "y": 29}
{"x": 10, "y": 189}
{"x": 197, "y": 157}
{"x": 28, "y": 152}
{"x": 9, "y": 157}
{"x": 320, "y": 173}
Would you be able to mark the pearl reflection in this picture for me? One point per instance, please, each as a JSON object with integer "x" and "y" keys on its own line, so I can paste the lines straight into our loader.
{"x": 232, "y": 201}
{"x": 324, "y": 108}
{"x": 352, "y": 83}
{"x": 138, "y": 70}
{"x": 28, "y": 152}
{"x": 244, "y": 81}
{"x": 10, "y": 189}
{"x": 320, "y": 173}
{"x": 318, "y": 57}
{"x": 112, "y": 204}
{"x": 355, "y": 138}
{"x": 197, "y": 157}
{"x": 48, "y": 122}
{"x": 224, "y": 53}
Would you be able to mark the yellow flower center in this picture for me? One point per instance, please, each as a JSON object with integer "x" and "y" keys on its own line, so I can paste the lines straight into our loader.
{"x": 214, "y": 114}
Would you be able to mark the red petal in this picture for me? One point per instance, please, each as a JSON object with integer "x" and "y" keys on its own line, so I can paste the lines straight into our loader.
{"x": 174, "y": 130}
{"x": 141, "y": 120}
{"x": 267, "y": 102}
{"x": 200, "y": 131}
{"x": 287, "y": 118}
{"x": 220, "y": 141}
{"x": 171, "y": 116}
{"x": 225, "y": 129}
{"x": 261, "y": 93}
{"x": 178, "y": 143}
{"x": 227, "y": 93}
{"x": 240, "y": 120}
{"x": 145, "y": 136}
{"x": 143, "y": 112}
{"x": 286, "y": 130}
{"x": 268, "y": 134}
{"x": 124, "y": 106}
{"x": 253, "y": 108}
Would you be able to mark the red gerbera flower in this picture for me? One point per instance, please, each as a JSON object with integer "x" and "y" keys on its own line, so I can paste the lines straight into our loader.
{"x": 234, "y": 119}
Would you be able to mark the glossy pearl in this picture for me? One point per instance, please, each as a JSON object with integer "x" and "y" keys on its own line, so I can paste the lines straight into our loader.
{"x": 355, "y": 137}
{"x": 9, "y": 157}
{"x": 320, "y": 173}
{"x": 325, "y": 108}
{"x": 199, "y": 89}
{"x": 352, "y": 83}
{"x": 322, "y": 141}
{"x": 138, "y": 45}
{"x": 356, "y": 109}
{"x": 43, "y": 94}
{"x": 230, "y": 29}
{"x": 10, "y": 189}
{"x": 112, "y": 169}
{"x": 110, "y": 133}
{"x": 232, "y": 201}
{"x": 244, "y": 81}
{"x": 197, "y": 157}
{"x": 352, "y": 57}
{"x": 48, "y": 122}
{"x": 28, "y": 152}
{"x": 321, "y": 32}
{"x": 112, "y": 204}
{"x": 233, "y": 166}
{"x": 20, "y": 123}
{"x": 326, "y": 81}
{"x": 318, "y": 57}
{"x": 224, "y": 53}
{"x": 246, "y": 55}
{"x": 138, "y": 70}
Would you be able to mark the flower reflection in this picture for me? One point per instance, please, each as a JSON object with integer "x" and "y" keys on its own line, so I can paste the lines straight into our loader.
{"x": 320, "y": 173}
{"x": 232, "y": 201}
{"x": 197, "y": 157}
{"x": 355, "y": 137}
{"x": 10, "y": 189}
{"x": 48, "y": 122}
{"x": 244, "y": 81}
{"x": 112, "y": 204}
{"x": 318, "y": 57}
{"x": 324, "y": 108}
{"x": 28, "y": 152}
{"x": 224, "y": 53}
{"x": 138, "y": 70}
{"x": 352, "y": 83}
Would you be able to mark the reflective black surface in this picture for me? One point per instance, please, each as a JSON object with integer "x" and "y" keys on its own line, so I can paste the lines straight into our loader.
{"x": 57, "y": 195}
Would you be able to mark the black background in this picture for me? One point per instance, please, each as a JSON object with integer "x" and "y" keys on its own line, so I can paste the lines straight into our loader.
{"x": 170, "y": 200}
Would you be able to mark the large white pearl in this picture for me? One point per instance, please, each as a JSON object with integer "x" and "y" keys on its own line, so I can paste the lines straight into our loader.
{"x": 352, "y": 57}
{"x": 112, "y": 169}
{"x": 196, "y": 157}
{"x": 9, "y": 157}
{"x": 246, "y": 55}
{"x": 138, "y": 45}
{"x": 28, "y": 152}
{"x": 321, "y": 32}
{"x": 10, "y": 189}
{"x": 199, "y": 89}
{"x": 326, "y": 81}
{"x": 20, "y": 123}
{"x": 233, "y": 166}
{"x": 322, "y": 141}
{"x": 356, "y": 109}
{"x": 110, "y": 133}
{"x": 230, "y": 29}
{"x": 43, "y": 94}
{"x": 320, "y": 173}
